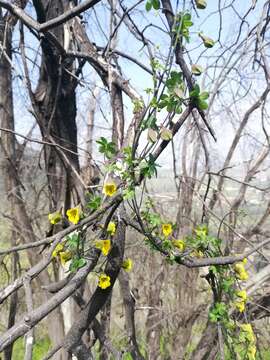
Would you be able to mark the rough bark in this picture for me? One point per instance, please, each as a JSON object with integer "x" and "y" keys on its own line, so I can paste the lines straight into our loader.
{"x": 55, "y": 104}
{"x": 129, "y": 304}
{"x": 100, "y": 296}
{"x": 153, "y": 322}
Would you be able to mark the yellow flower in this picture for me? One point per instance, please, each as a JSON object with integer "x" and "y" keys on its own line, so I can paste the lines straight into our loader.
{"x": 240, "y": 306}
{"x": 251, "y": 352}
{"x": 111, "y": 228}
{"x": 104, "y": 246}
{"x": 240, "y": 270}
{"x": 127, "y": 264}
{"x": 55, "y": 217}
{"x": 247, "y": 329}
{"x": 57, "y": 250}
{"x": 166, "y": 229}
{"x": 242, "y": 294}
{"x": 74, "y": 214}
{"x": 65, "y": 256}
{"x": 179, "y": 244}
{"x": 109, "y": 188}
{"x": 104, "y": 281}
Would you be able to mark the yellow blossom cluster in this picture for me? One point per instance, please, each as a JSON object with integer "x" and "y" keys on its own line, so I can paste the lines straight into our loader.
{"x": 104, "y": 246}
{"x": 240, "y": 304}
{"x": 240, "y": 270}
{"x": 166, "y": 229}
{"x": 55, "y": 217}
{"x": 111, "y": 229}
{"x": 63, "y": 255}
{"x": 74, "y": 215}
{"x": 179, "y": 244}
{"x": 247, "y": 334}
{"x": 127, "y": 264}
{"x": 251, "y": 352}
{"x": 109, "y": 188}
{"x": 57, "y": 250}
{"x": 104, "y": 281}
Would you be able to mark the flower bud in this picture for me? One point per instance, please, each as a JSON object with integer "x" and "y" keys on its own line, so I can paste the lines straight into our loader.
{"x": 207, "y": 41}
{"x": 196, "y": 69}
{"x": 201, "y": 4}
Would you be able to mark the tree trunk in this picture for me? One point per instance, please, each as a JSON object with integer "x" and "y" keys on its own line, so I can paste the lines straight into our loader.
{"x": 153, "y": 321}
{"x": 12, "y": 183}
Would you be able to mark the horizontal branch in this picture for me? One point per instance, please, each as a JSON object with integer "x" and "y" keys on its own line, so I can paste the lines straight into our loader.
{"x": 192, "y": 262}
{"x": 50, "y": 24}
{"x": 26, "y": 246}
{"x": 238, "y": 181}
{"x": 85, "y": 5}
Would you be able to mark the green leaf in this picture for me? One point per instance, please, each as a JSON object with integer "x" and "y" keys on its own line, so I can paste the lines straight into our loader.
{"x": 202, "y": 104}
{"x": 227, "y": 284}
{"x": 148, "y": 5}
{"x": 128, "y": 193}
{"x": 149, "y": 123}
{"x": 127, "y": 356}
{"x": 76, "y": 264}
{"x": 178, "y": 109}
{"x": 199, "y": 99}
{"x": 137, "y": 105}
{"x": 148, "y": 91}
{"x": 149, "y": 168}
{"x": 182, "y": 24}
{"x": 170, "y": 259}
{"x": 170, "y": 107}
{"x": 94, "y": 202}
{"x": 156, "y": 65}
{"x": 204, "y": 95}
{"x": 156, "y": 4}
{"x": 195, "y": 92}
{"x": 164, "y": 100}
{"x": 154, "y": 102}
{"x": 155, "y": 220}
{"x": 167, "y": 244}
{"x": 187, "y": 17}
{"x": 151, "y": 218}
{"x": 106, "y": 147}
{"x": 152, "y": 165}
{"x": 73, "y": 241}
{"x": 127, "y": 151}
{"x": 218, "y": 312}
{"x": 175, "y": 80}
